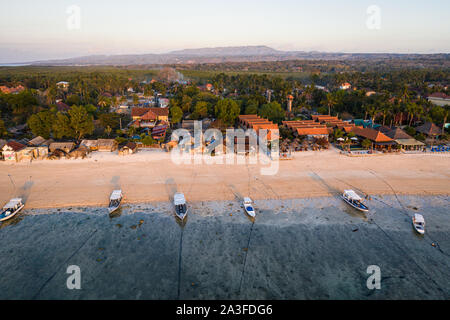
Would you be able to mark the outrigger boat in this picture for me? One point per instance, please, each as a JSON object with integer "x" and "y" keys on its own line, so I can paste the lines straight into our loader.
{"x": 354, "y": 200}
{"x": 249, "y": 207}
{"x": 11, "y": 209}
{"x": 180, "y": 205}
{"x": 114, "y": 200}
{"x": 419, "y": 223}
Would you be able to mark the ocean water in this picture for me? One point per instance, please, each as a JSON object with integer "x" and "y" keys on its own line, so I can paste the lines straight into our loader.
{"x": 295, "y": 249}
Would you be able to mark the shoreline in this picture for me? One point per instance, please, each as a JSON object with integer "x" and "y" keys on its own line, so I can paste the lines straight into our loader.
{"x": 151, "y": 177}
{"x": 158, "y": 203}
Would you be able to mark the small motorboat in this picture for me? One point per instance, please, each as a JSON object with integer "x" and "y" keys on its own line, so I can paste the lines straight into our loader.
{"x": 114, "y": 200}
{"x": 11, "y": 209}
{"x": 180, "y": 205}
{"x": 248, "y": 207}
{"x": 354, "y": 200}
{"x": 419, "y": 223}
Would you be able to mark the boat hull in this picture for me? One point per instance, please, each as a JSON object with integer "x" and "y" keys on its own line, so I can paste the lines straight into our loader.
{"x": 251, "y": 213}
{"x": 418, "y": 230}
{"x": 362, "y": 209}
{"x": 12, "y": 214}
{"x": 112, "y": 209}
{"x": 181, "y": 216}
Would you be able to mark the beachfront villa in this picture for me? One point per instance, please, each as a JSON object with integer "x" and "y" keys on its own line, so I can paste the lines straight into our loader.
{"x": 310, "y": 129}
{"x": 255, "y": 122}
{"x": 430, "y": 130}
{"x": 148, "y": 117}
{"x": 379, "y": 140}
{"x": 11, "y": 151}
{"x": 404, "y": 140}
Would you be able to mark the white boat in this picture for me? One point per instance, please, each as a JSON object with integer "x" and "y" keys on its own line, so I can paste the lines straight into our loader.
{"x": 248, "y": 206}
{"x": 419, "y": 223}
{"x": 354, "y": 200}
{"x": 11, "y": 209}
{"x": 114, "y": 200}
{"x": 180, "y": 205}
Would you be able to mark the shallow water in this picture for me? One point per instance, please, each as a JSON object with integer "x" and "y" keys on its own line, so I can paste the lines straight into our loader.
{"x": 295, "y": 249}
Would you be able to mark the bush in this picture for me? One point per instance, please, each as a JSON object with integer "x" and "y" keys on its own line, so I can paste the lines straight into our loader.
{"x": 148, "y": 141}
{"x": 366, "y": 144}
{"x": 420, "y": 137}
{"x": 411, "y": 131}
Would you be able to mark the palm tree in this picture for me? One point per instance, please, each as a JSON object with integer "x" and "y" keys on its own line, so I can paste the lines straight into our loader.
{"x": 330, "y": 102}
{"x": 102, "y": 101}
{"x": 385, "y": 109}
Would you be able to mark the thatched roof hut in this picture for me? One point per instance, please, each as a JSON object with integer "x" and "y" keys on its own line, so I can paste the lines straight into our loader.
{"x": 128, "y": 148}
{"x": 65, "y": 146}
{"x": 108, "y": 145}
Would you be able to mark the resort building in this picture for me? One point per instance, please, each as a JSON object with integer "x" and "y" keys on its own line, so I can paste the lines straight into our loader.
{"x": 128, "y": 148}
{"x": 63, "y": 85}
{"x": 64, "y": 146}
{"x": 345, "y": 86}
{"x": 39, "y": 141}
{"x": 379, "y": 140}
{"x": 11, "y": 151}
{"x": 405, "y": 141}
{"x": 310, "y": 129}
{"x": 253, "y": 121}
{"x": 147, "y": 117}
{"x": 430, "y": 130}
{"x": 107, "y": 145}
{"x": 439, "y": 99}
{"x": 13, "y": 90}
{"x": 91, "y": 145}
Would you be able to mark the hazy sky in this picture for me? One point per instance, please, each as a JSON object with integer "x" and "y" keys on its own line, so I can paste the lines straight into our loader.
{"x": 33, "y": 30}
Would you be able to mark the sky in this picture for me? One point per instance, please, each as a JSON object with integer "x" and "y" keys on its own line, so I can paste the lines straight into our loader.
{"x": 33, "y": 30}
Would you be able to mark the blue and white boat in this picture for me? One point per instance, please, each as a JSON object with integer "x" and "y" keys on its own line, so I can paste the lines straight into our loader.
{"x": 248, "y": 206}
{"x": 11, "y": 209}
{"x": 180, "y": 205}
{"x": 354, "y": 200}
{"x": 419, "y": 223}
{"x": 114, "y": 200}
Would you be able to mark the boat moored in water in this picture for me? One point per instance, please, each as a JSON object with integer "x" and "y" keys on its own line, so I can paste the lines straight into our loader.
{"x": 248, "y": 207}
{"x": 11, "y": 209}
{"x": 114, "y": 200}
{"x": 354, "y": 200}
{"x": 180, "y": 205}
{"x": 419, "y": 223}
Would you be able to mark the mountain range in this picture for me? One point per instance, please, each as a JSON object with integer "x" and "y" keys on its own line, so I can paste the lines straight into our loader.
{"x": 221, "y": 54}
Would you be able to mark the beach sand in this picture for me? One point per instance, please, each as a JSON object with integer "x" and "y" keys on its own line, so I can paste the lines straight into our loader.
{"x": 311, "y": 248}
{"x": 151, "y": 176}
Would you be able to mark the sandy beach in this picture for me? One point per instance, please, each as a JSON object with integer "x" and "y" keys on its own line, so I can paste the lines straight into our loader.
{"x": 151, "y": 176}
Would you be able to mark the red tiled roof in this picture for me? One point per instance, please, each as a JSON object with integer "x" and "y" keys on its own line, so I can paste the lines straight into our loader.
{"x": 16, "y": 146}
{"x": 371, "y": 134}
{"x": 139, "y": 112}
{"x": 311, "y": 131}
{"x": 439, "y": 95}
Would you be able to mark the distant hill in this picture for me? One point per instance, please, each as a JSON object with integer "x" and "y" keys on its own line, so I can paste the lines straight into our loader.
{"x": 223, "y": 54}
{"x": 228, "y": 51}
